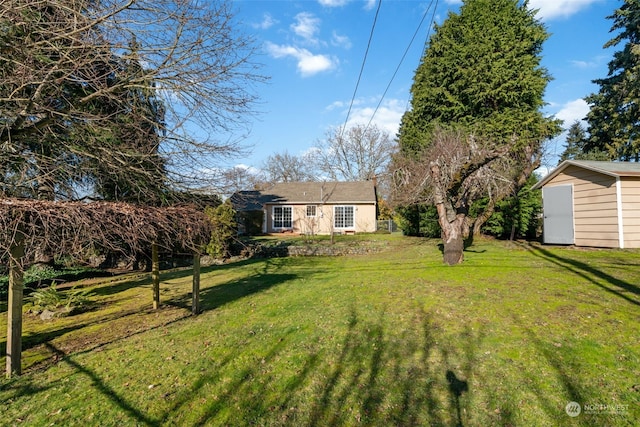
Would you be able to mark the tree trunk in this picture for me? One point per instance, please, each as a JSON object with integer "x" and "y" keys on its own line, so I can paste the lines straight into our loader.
{"x": 155, "y": 275}
{"x": 14, "y": 311}
{"x": 483, "y": 218}
{"x": 195, "y": 291}
{"x": 451, "y": 222}
{"x": 453, "y": 240}
{"x": 452, "y": 233}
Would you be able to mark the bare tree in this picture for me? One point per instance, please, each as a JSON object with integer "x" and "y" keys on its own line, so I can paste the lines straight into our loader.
{"x": 355, "y": 154}
{"x": 240, "y": 178}
{"x": 285, "y": 167}
{"x": 73, "y": 74}
{"x": 455, "y": 171}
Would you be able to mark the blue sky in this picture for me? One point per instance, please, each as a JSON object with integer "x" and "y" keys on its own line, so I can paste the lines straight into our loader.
{"x": 313, "y": 52}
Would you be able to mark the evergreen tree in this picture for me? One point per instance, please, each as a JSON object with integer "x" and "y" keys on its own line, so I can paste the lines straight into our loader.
{"x": 113, "y": 98}
{"x": 482, "y": 73}
{"x": 482, "y": 70}
{"x": 576, "y": 145}
{"x": 614, "y": 117}
{"x": 576, "y": 137}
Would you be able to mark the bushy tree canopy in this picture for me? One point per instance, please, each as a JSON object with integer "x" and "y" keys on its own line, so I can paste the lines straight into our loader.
{"x": 479, "y": 88}
{"x": 118, "y": 97}
{"x": 481, "y": 70}
{"x": 577, "y": 143}
{"x": 614, "y": 117}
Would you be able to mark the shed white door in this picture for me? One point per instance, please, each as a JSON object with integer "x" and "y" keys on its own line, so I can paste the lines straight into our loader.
{"x": 558, "y": 215}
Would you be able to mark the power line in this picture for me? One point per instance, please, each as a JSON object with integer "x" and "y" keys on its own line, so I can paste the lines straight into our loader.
{"x": 364, "y": 60}
{"x": 404, "y": 56}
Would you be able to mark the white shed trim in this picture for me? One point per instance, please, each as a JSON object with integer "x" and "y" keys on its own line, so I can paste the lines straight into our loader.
{"x": 619, "y": 208}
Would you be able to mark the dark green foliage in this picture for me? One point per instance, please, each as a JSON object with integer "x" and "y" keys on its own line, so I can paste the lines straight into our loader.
{"x": 250, "y": 223}
{"x": 614, "y": 117}
{"x": 517, "y": 214}
{"x": 576, "y": 138}
{"x": 577, "y": 143}
{"x": 84, "y": 124}
{"x": 482, "y": 73}
{"x": 223, "y": 229}
{"x": 481, "y": 70}
{"x": 418, "y": 220}
{"x": 62, "y": 302}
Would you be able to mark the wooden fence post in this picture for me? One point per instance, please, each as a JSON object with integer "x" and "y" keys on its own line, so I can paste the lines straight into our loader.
{"x": 195, "y": 296}
{"x": 14, "y": 310}
{"x": 155, "y": 275}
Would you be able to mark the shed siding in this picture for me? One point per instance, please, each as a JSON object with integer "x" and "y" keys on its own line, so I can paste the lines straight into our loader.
{"x": 631, "y": 211}
{"x": 594, "y": 204}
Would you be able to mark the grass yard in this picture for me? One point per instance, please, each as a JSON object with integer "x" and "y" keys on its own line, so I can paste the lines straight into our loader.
{"x": 388, "y": 339}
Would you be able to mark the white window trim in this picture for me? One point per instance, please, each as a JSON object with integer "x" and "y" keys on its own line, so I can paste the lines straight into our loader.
{"x": 352, "y": 227}
{"x": 315, "y": 210}
{"x": 273, "y": 217}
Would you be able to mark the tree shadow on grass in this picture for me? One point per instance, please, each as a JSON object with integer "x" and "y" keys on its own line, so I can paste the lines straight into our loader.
{"x": 370, "y": 377}
{"x": 559, "y": 360}
{"x": 611, "y": 284}
{"x": 144, "y": 278}
{"x": 219, "y": 295}
{"x": 210, "y": 298}
{"x": 103, "y": 388}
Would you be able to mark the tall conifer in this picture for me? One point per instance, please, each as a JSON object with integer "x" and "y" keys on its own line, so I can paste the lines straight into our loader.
{"x": 614, "y": 117}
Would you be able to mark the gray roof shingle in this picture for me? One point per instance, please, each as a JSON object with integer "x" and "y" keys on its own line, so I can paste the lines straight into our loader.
{"x": 306, "y": 193}
{"x": 616, "y": 169}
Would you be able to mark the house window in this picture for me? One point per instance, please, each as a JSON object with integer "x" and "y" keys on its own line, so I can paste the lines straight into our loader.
{"x": 311, "y": 210}
{"x": 282, "y": 217}
{"x": 343, "y": 216}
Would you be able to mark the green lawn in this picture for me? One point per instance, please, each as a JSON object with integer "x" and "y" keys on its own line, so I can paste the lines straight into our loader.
{"x": 395, "y": 338}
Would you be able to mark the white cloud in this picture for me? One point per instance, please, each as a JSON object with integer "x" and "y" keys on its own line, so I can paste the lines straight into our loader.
{"x": 370, "y": 4}
{"x": 267, "y": 22}
{"x": 306, "y": 26}
{"x": 572, "y": 111}
{"x": 595, "y": 62}
{"x": 308, "y": 63}
{"x": 333, "y": 3}
{"x": 335, "y": 105}
{"x": 551, "y": 9}
{"x": 387, "y": 117}
{"x": 340, "y": 41}
{"x": 584, "y": 64}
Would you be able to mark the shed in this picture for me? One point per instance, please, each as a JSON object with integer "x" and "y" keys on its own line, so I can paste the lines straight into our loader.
{"x": 592, "y": 203}
{"x": 312, "y": 207}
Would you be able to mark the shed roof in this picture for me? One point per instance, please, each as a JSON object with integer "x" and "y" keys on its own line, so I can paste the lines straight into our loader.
{"x": 615, "y": 169}
{"x": 306, "y": 193}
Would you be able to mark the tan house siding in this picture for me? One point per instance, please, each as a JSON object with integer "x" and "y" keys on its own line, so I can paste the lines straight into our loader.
{"x": 594, "y": 206}
{"x": 309, "y": 207}
{"x": 322, "y": 222}
{"x": 630, "y": 189}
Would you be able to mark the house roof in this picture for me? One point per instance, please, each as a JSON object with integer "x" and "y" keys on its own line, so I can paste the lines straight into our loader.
{"x": 615, "y": 169}
{"x": 306, "y": 193}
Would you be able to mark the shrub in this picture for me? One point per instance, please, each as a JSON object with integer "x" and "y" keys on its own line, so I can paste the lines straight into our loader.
{"x": 418, "y": 220}
{"x": 53, "y": 300}
{"x": 223, "y": 230}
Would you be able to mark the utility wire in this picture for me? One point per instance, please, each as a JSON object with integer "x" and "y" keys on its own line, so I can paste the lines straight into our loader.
{"x": 405, "y": 54}
{"x": 364, "y": 60}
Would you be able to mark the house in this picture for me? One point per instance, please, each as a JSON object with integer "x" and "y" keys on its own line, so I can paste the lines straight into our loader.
{"x": 309, "y": 208}
{"x": 592, "y": 203}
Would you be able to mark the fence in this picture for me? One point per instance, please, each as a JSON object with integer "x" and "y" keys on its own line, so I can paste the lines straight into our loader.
{"x": 386, "y": 225}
